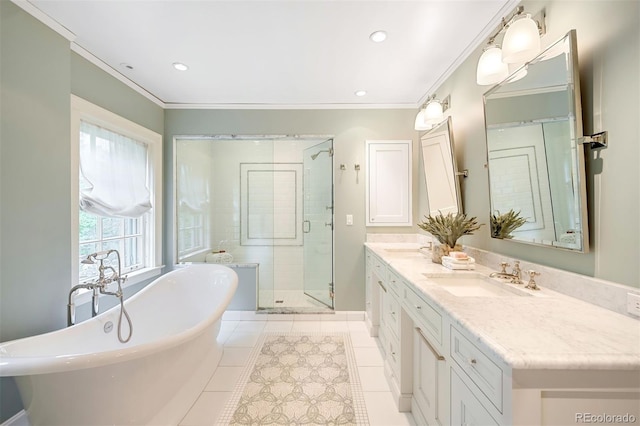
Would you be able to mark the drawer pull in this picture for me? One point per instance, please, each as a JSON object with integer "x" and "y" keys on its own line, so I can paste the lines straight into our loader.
{"x": 431, "y": 348}
{"x": 473, "y": 361}
{"x": 380, "y": 284}
{"x": 418, "y": 307}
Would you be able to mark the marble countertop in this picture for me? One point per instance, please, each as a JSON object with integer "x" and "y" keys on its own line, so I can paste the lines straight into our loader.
{"x": 548, "y": 330}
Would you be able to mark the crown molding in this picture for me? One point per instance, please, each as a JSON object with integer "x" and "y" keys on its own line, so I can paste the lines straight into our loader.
{"x": 287, "y": 106}
{"x": 114, "y": 73}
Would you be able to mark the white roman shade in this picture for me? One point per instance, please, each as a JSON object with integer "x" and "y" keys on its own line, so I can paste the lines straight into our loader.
{"x": 113, "y": 173}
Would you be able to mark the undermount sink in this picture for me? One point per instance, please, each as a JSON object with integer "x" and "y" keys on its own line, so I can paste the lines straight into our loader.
{"x": 476, "y": 285}
{"x": 402, "y": 250}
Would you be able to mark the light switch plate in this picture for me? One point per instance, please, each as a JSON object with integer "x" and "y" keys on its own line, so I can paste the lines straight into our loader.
{"x": 349, "y": 219}
{"x": 633, "y": 304}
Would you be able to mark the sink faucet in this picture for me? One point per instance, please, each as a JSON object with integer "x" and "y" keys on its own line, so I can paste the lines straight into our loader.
{"x": 428, "y": 246}
{"x": 515, "y": 276}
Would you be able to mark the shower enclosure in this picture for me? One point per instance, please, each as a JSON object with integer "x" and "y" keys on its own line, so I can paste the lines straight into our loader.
{"x": 265, "y": 201}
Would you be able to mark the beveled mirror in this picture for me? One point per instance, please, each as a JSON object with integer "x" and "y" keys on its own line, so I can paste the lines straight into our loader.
{"x": 440, "y": 171}
{"x": 533, "y": 122}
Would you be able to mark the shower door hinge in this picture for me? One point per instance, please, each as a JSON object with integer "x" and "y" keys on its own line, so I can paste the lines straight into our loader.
{"x": 331, "y": 293}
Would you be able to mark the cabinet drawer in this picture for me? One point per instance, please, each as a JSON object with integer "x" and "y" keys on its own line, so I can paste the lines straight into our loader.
{"x": 393, "y": 355}
{"x": 480, "y": 369}
{"x": 395, "y": 283}
{"x": 392, "y": 312}
{"x": 379, "y": 269}
{"x": 427, "y": 318}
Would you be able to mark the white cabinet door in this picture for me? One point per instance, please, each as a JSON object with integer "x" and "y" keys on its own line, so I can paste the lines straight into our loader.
{"x": 430, "y": 381}
{"x": 388, "y": 193}
{"x": 465, "y": 408}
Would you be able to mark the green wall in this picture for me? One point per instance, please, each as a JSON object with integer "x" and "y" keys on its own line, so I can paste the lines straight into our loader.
{"x": 350, "y": 129}
{"x": 38, "y": 73}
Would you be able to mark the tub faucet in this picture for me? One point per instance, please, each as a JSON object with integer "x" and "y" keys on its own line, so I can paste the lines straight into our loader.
{"x": 100, "y": 286}
{"x": 97, "y": 287}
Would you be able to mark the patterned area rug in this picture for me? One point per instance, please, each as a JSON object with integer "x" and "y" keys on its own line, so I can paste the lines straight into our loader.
{"x": 299, "y": 379}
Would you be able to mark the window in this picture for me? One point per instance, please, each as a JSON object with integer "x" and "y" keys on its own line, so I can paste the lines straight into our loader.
{"x": 118, "y": 185}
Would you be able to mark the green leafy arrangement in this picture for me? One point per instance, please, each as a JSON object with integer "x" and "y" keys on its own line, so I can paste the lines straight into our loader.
{"x": 502, "y": 225}
{"x": 448, "y": 229}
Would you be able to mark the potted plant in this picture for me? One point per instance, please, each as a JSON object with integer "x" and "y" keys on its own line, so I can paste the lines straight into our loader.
{"x": 448, "y": 229}
{"x": 502, "y": 225}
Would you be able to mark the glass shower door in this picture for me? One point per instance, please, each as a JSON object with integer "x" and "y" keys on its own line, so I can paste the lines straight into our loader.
{"x": 318, "y": 222}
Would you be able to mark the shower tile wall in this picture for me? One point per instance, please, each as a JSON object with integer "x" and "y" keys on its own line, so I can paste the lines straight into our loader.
{"x": 281, "y": 267}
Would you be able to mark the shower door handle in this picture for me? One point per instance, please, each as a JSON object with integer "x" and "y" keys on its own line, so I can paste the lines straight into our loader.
{"x": 306, "y": 226}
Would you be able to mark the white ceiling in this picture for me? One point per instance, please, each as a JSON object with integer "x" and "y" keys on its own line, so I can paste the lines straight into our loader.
{"x": 279, "y": 53}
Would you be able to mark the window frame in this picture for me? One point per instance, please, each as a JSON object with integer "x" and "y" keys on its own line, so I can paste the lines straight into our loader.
{"x": 82, "y": 110}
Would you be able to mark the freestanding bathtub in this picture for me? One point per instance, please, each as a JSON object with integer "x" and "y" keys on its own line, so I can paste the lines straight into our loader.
{"x": 82, "y": 375}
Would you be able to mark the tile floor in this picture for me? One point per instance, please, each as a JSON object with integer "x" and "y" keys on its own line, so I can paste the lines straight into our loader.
{"x": 239, "y": 333}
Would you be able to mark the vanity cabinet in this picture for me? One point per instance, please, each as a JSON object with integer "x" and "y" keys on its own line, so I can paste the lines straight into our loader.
{"x": 429, "y": 366}
{"x": 385, "y": 290}
{"x": 376, "y": 275}
{"x": 388, "y": 183}
{"x": 445, "y": 370}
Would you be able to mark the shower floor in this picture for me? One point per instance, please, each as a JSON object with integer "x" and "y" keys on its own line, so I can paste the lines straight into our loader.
{"x": 287, "y": 299}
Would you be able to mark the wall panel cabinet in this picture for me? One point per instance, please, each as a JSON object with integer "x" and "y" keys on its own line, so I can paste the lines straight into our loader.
{"x": 388, "y": 192}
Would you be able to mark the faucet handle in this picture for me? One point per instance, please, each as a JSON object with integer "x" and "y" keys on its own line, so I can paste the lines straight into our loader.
{"x": 531, "y": 285}
{"x": 516, "y": 267}
{"x": 504, "y": 266}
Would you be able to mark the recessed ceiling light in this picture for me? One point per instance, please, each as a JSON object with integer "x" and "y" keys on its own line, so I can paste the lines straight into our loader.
{"x": 378, "y": 36}
{"x": 360, "y": 93}
{"x": 180, "y": 66}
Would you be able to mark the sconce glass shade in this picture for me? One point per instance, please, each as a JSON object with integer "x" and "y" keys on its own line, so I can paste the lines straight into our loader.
{"x": 491, "y": 69}
{"x": 420, "y": 123}
{"x": 521, "y": 42}
{"x": 433, "y": 113}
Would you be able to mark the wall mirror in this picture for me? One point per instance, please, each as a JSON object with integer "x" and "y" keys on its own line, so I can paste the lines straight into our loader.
{"x": 535, "y": 157}
{"x": 440, "y": 171}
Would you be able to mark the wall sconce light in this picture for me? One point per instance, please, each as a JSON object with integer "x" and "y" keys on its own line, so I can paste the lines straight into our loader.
{"x": 520, "y": 44}
{"x": 431, "y": 113}
{"x": 491, "y": 69}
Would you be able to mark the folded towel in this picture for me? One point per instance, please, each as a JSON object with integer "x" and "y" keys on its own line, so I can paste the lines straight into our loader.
{"x": 453, "y": 260}
{"x": 470, "y": 266}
